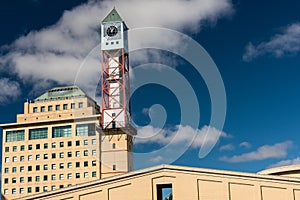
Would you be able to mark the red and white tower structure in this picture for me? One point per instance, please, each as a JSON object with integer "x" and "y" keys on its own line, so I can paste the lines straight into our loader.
{"x": 116, "y": 120}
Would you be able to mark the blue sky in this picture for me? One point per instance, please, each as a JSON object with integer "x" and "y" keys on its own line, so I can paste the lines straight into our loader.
{"x": 254, "y": 44}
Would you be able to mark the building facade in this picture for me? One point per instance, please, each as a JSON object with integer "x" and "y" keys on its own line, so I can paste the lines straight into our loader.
{"x": 57, "y": 143}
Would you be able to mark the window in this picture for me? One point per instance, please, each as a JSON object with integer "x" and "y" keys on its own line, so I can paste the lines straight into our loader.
{"x": 37, "y": 157}
{"x": 94, "y": 174}
{"x": 85, "y": 152}
{"x": 61, "y": 165}
{"x": 80, "y": 105}
{"x": 6, "y": 181}
{"x": 30, "y": 147}
{"x": 94, "y": 152}
{"x": 77, "y": 175}
{"x": 46, "y": 146}
{"x": 42, "y": 108}
{"x": 86, "y": 163}
{"x": 72, "y": 105}
{"x": 45, "y": 156}
{"x": 39, "y": 133}
{"x": 45, "y": 188}
{"x": 61, "y": 177}
{"x": 61, "y": 144}
{"x": 69, "y": 176}
{"x": 45, "y": 167}
{"x": 6, "y": 159}
{"x": 77, "y": 143}
{"x": 37, "y": 189}
{"x": 6, "y": 170}
{"x": 22, "y": 147}
{"x": 53, "y": 187}
{"x": 14, "y": 191}
{"x": 77, "y": 153}
{"x": 30, "y": 157}
{"x": 22, "y": 169}
{"x": 29, "y": 168}
{"x": 6, "y": 149}
{"x": 50, "y": 108}
{"x": 53, "y": 166}
{"x": 114, "y": 167}
{"x": 21, "y": 179}
{"x": 61, "y": 155}
{"x": 53, "y": 177}
{"x": 45, "y": 178}
{"x": 57, "y": 107}
{"x": 69, "y": 154}
{"x": 85, "y": 129}
{"x": 37, "y": 178}
{"x": 85, "y": 174}
{"x": 61, "y": 131}
{"x": 113, "y": 145}
{"x": 14, "y": 180}
{"x": 14, "y": 136}
{"x": 65, "y": 106}
{"x": 53, "y": 155}
{"x": 164, "y": 191}
{"x": 38, "y": 146}
{"x": 77, "y": 164}
{"x": 21, "y": 190}
{"x": 69, "y": 165}
{"x": 85, "y": 142}
{"x": 93, "y": 141}
{"x": 22, "y": 158}
{"x": 53, "y": 145}
{"x": 29, "y": 179}
{"x": 14, "y": 169}
{"x": 29, "y": 189}
{"x": 6, "y": 191}
{"x": 37, "y": 168}
{"x": 94, "y": 163}
{"x": 14, "y": 159}
{"x": 35, "y": 109}
{"x": 61, "y": 186}
{"x": 14, "y": 148}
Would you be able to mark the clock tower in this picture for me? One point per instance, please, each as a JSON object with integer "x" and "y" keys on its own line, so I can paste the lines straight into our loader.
{"x": 116, "y": 125}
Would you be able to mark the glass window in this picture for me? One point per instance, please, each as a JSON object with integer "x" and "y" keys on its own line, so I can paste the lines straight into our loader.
{"x": 77, "y": 153}
{"x": 21, "y": 179}
{"x": 14, "y": 191}
{"x": 46, "y": 146}
{"x": 61, "y": 131}
{"x": 39, "y": 133}
{"x": 77, "y": 164}
{"x": 93, "y": 174}
{"x": 77, "y": 142}
{"x": 86, "y": 163}
{"x": 94, "y": 163}
{"x": 93, "y": 141}
{"x": 61, "y": 155}
{"x": 35, "y": 109}
{"x": 30, "y": 147}
{"x": 45, "y": 167}
{"x": 61, "y": 177}
{"x": 30, "y": 157}
{"x": 61, "y": 186}
{"x": 6, "y": 159}
{"x": 21, "y": 190}
{"x": 22, "y": 147}
{"x": 69, "y": 143}
{"x": 37, "y": 168}
{"x": 53, "y": 177}
{"x": 37, "y": 157}
{"x": 6, "y": 170}
{"x": 29, "y": 189}
{"x": 85, "y": 129}
{"x": 114, "y": 167}
{"x": 53, "y": 145}
{"x": 37, "y": 178}
{"x": 22, "y": 158}
{"x": 22, "y": 169}
{"x": 85, "y": 142}
{"x": 14, "y": 169}
{"x": 6, "y": 149}
{"x": 114, "y": 145}
{"x": 45, "y": 156}
{"x": 42, "y": 108}
{"x": 69, "y": 165}
{"x": 72, "y": 105}
{"x": 80, "y": 105}
{"x": 53, "y": 155}
{"x": 85, "y": 152}
{"x": 70, "y": 176}
{"x": 69, "y": 154}
{"x": 14, "y": 159}
{"x": 37, "y": 189}
{"x": 6, "y": 191}
{"x": 14, "y": 148}
{"x": 53, "y": 187}
{"x": 6, "y": 181}
{"x": 53, "y": 166}
{"x": 45, "y": 188}
{"x": 29, "y": 179}
{"x": 50, "y": 108}
{"x": 61, "y": 144}
{"x": 85, "y": 174}
{"x": 14, "y": 180}
{"x": 65, "y": 106}
{"x": 45, "y": 178}
{"x": 94, "y": 152}
{"x": 57, "y": 107}
{"x": 77, "y": 175}
{"x": 13, "y": 136}
{"x": 61, "y": 165}
{"x": 29, "y": 168}
{"x": 38, "y": 146}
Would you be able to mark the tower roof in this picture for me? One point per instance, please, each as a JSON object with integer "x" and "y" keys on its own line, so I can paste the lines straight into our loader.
{"x": 113, "y": 16}
{"x": 67, "y": 92}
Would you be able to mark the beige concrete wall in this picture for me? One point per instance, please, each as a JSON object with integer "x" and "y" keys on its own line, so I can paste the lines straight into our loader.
{"x": 187, "y": 183}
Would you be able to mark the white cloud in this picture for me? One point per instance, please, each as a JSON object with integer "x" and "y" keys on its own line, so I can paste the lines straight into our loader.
{"x": 227, "y": 147}
{"x": 294, "y": 161}
{"x": 278, "y": 150}
{"x": 184, "y": 134}
{"x": 9, "y": 90}
{"x": 286, "y": 43}
{"x": 246, "y": 145}
{"x": 55, "y": 53}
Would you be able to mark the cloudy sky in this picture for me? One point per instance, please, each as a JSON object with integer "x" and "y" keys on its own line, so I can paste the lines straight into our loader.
{"x": 215, "y": 82}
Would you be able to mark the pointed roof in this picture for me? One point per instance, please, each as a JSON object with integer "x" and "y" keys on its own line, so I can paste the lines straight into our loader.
{"x": 113, "y": 16}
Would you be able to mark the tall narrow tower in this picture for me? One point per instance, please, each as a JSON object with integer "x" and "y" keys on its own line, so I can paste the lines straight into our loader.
{"x": 116, "y": 120}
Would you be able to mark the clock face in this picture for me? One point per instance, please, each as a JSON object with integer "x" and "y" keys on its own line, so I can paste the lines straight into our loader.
{"x": 112, "y": 31}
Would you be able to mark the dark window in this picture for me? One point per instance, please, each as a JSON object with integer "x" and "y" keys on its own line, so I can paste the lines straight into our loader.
{"x": 30, "y": 147}
{"x": 61, "y": 144}
{"x": 37, "y": 189}
{"x": 61, "y": 186}
{"x": 53, "y": 155}
{"x": 46, "y": 146}
{"x": 29, "y": 168}
{"x": 22, "y": 147}
{"x": 86, "y": 163}
{"x": 45, "y": 156}
{"x": 49, "y": 108}
{"x": 72, "y": 105}
{"x": 77, "y": 175}
{"x": 114, "y": 145}
{"x": 114, "y": 167}
{"x": 29, "y": 189}
{"x": 77, "y": 143}
{"x": 42, "y": 108}
{"x": 164, "y": 191}
{"x": 37, "y": 168}
{"x": 65, "y": 106}
{"x": 57, "y": 107}
{"x": 38, "y": 146}
{"x": 69, "y": 143}
{"x": 69, "y": 154}
{"x": 13, "y": 180}
{"x": 45, "y": 177}
{"x": 77, "y": 164}
{"x": 5, "y": 180}
{"x": 6, "y": 149}
{"x": 29, "y": 179}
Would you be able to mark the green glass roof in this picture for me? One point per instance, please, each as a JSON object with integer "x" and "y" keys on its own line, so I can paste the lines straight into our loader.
{"x": 67, "y": 92}
{"x": 113, "y": 16}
